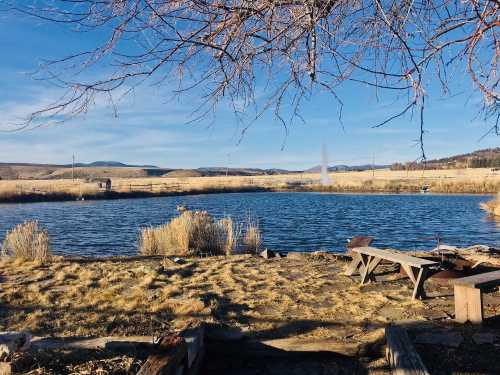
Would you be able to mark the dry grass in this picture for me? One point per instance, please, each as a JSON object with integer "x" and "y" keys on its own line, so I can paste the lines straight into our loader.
{"x": 305, "y": 298}
{"x": 190, "y": 233}
{"x": 493, "y": 206}
{"x": 27, "y": 241}
{"x": 252, "y": 241}
{"x": 233, "y": 232}
{"x": 481, "y": 180}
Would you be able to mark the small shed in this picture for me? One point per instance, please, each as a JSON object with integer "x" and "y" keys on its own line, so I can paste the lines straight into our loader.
{"x": 103, "y": 183}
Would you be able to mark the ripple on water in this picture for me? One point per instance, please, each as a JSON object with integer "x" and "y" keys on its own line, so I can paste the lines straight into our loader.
{"x": 290, "y": 221}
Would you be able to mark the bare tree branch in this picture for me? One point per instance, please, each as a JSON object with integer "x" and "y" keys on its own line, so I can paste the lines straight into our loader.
{"x": 272, "y": 54}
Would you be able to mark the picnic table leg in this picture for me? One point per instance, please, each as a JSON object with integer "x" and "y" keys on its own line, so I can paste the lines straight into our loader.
{"x": 369, "y": 265}
{"x": 410, "y": 272}
{"x": 418, "y": 290}
{"x": 373, "y": 264}
{"x": 354, "y": 265}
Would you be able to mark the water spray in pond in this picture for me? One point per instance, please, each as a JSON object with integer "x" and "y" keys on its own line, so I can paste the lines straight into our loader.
{"x": 325, "y": 178}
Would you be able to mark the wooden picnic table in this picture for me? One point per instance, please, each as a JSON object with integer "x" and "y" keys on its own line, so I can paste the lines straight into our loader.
{"x": 366, "y": 259}
{"x": 468, "y": 293}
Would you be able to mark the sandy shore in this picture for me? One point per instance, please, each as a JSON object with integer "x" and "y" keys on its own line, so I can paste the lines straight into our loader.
{"x": 301, "y": 301}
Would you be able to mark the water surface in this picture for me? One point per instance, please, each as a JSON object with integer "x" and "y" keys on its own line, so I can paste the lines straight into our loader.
{"x": 289, "y": 221}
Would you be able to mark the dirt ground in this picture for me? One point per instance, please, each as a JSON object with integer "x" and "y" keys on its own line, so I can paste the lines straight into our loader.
{"x": 297, "y": 315}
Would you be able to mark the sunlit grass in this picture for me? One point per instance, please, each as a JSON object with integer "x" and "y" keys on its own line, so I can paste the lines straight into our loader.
{"x": 27, "y": 241}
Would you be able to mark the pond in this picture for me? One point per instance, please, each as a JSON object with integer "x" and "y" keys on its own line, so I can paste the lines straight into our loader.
{"x": 289, "y": 221}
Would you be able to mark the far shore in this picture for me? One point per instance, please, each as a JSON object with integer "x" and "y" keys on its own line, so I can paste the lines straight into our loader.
{"x": 447, "y": 181}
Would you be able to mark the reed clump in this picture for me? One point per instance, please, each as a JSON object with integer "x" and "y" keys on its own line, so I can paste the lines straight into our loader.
{"x": 27, "y": 241}
{"x": 493, "y": 206}
{"x": 194, "y": 233}
{"x": 252, "y": 240}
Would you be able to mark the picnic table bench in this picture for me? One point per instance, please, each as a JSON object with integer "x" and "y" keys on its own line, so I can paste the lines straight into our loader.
{"x": 366, "y": 259}
{"x": 468, "y": 293}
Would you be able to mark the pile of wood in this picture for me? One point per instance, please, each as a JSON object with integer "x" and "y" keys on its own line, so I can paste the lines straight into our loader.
{"x": 477, "y": 254}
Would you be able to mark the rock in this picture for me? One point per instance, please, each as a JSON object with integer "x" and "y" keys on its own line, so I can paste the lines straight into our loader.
{"x": 449, "y": 339}
{"x": 11, "y": 342}
{"x": 178, "y": 260}
{"x": 266, "y": 254}
{"x": 5, "y": 368}
{"x": 319, "y": 253}
{"x": 484, "y": 338}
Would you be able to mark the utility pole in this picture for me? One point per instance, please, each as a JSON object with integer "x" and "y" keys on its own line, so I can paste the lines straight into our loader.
{"x": 73, "y": 168}
{"x": 373, "y": 166}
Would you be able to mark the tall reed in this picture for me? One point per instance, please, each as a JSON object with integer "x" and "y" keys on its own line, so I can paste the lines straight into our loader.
{"x": 27, "y": 241}
{"x": 252, "y": 239}
{"x": 198, "y": 233}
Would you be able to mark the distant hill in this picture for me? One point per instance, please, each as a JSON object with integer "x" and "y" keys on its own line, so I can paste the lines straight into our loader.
{"x": 115, "y": 164}
{"x": 486, "y": 158}
{"x": 222, "y": 171}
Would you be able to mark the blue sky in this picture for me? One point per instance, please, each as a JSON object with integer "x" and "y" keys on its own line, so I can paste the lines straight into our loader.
{"x": 152, "y": 127}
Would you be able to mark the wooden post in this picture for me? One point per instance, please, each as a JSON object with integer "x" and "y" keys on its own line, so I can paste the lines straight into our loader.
{"x": 468, "y": 304}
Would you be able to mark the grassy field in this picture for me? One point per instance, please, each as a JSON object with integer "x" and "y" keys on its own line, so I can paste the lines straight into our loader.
{"x": 297, "y": 302}
{"x": 481, "y": 180}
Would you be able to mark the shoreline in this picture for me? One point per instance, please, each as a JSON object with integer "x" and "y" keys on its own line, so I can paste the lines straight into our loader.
{"x": 460, "y": 181}
{"x": 115, "y": 195}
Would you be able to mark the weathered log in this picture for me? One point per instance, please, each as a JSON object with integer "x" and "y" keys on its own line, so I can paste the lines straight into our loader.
{"x": 108, "y": 342}
{"x": 170, "y": 357}
{"x": 401, "y": 353}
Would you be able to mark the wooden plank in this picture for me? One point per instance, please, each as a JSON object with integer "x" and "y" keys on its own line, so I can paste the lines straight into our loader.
{"x": 401, "y": 353}
{"x": 171, "y": 355}
{"x": 479, "y": 281}
{"x": 296, "y": 344}
{"x": 475, "y": 305}
{"x": 461, "y": 309}
{"x": 394, "y": 257}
